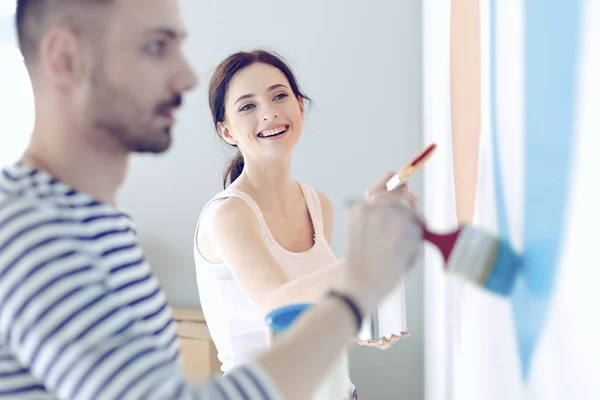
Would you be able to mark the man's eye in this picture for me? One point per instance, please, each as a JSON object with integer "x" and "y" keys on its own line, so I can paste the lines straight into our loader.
{"x": 157, "y": 47}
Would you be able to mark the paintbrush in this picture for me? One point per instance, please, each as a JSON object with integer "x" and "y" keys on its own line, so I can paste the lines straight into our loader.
{"x": 468, "y": 252}
{"x": 417, "y": 162}
{"x": 478, "y": 256}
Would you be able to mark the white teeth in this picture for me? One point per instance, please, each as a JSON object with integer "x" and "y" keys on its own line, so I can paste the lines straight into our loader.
{"x": 272, "y": 132}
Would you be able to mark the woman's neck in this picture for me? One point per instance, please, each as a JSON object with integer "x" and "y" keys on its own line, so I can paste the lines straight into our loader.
{"x": 269, "y": 184}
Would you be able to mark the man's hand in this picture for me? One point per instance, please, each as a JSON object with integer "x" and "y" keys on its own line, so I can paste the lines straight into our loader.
{"x": 383, "y": 238}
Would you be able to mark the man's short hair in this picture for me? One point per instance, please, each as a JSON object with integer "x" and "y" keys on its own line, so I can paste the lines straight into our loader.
{"x": 36, "y": 17}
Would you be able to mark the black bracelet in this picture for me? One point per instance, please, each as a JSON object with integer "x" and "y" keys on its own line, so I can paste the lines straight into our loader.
{"x": 351, "y": 304}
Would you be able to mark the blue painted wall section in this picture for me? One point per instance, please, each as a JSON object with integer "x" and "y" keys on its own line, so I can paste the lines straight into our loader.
{"x": 551, "y": 62}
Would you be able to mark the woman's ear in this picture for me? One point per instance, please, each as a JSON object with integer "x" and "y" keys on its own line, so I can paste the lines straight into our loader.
{"x": 226, "y": 133}
{"x": 302, "y": 106}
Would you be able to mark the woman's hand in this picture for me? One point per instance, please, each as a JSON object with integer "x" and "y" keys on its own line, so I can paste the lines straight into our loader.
{"x": 383, "y": 343}
{"x": 379, "y": 189}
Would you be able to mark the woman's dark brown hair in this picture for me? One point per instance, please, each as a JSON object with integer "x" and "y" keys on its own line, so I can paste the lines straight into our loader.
{"x": 219, "y": 84}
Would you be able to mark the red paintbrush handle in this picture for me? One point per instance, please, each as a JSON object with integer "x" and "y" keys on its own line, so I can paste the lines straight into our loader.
{"x": 444, "y": 242}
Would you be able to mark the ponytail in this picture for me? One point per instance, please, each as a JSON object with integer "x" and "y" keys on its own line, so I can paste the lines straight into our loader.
{"x": 234, "y": 169}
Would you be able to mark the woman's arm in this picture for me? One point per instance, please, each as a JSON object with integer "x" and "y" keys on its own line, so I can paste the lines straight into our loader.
{"x": 381, "y": 247}
{"x": 237, "y": 233}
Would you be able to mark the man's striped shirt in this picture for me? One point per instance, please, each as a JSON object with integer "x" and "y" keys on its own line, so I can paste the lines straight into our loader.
{"x": 81, "y": 314}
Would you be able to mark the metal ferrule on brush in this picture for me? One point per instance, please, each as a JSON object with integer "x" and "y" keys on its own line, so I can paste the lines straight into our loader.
{"x": 474, "y": 255}
{"x": 395, "y": 182}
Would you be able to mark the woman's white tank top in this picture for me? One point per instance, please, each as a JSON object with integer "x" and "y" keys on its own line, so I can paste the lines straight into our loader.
{"x": 235, "y": 322}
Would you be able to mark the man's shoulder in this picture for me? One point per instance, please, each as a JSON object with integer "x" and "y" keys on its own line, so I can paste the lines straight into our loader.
{"x": 24, "y": 218}
{"x": 14, "y": 207}
{"x": 38, "y": 203}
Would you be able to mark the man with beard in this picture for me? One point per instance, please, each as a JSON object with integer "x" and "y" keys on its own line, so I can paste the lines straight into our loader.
{"x": 81, "y": 314}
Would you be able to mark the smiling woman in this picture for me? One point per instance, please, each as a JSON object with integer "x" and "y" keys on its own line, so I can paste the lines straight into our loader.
{"x": 16, "y": 96}
{"x": 264, "y": 242}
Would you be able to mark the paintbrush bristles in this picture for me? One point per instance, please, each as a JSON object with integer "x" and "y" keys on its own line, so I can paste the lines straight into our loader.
{"x": 506, "y": 268}
{"x": 484, "y": 260}
{"x": 473, "y": 255}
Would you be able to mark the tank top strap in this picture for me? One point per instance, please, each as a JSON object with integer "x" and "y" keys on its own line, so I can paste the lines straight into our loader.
{"x": 314, "y": 208}
{"x": 230, "y": 192}
{"x": 252, "y": 204}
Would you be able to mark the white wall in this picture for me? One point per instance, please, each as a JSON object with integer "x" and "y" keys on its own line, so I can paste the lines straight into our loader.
{"x": 361, "y": 64}
{"x": 16, "y": 95}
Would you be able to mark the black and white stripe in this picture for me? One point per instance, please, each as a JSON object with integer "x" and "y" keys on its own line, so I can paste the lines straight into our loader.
{"x": 81, "y": 314}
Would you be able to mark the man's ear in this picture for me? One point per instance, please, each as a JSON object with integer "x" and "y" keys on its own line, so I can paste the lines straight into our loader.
{"x": 63, "y": 56}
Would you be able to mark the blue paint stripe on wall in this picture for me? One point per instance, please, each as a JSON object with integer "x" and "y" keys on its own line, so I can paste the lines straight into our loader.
{"x": 551, "y": 59}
